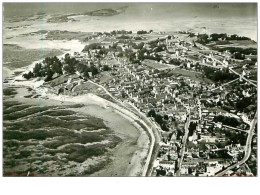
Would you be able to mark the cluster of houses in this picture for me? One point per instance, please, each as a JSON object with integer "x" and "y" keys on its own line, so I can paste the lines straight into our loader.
{"x": 176, "y": 97}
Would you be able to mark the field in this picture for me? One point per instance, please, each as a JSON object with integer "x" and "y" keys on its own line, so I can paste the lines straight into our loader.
{"x": 191, "y": 74}
{"x": 66, "y": 35}
{"x": 235, "y": 43}
{"x": 155, "y": 65}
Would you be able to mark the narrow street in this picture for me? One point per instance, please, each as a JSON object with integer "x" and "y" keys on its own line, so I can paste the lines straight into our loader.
{"x": 184, "y": 140}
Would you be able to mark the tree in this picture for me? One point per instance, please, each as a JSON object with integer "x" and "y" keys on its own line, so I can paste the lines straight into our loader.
{"x": 28, "y": 76}
{"x": 37, "y": 70}
{"x": 94, "y": 70}
{"x": 70, "y": 69}
{"x": 151, "y": 113}
{"x": 192, "y": 128}
{"x": 81, "y": 67}
{"x": 164, "y": 127}
{"x": 166, "y": 117}
{"x": 49, "y": 74}
{"x": 189, "y": 170}
{"x": 106, "y": 68}
{"x": 140, "y": 32}
{"x": 57, "y": 66}
{"x": 239, "y": 56}
{"x": 86, "y": 75}
{"x": 67, "y": 58}
{"x": 158, "y": 119}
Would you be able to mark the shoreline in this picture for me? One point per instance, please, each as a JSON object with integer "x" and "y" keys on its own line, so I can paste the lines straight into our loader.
{"x": 137, "y": 146}
{"x": 136, "y": 164}
{"x": 142, "y": 149}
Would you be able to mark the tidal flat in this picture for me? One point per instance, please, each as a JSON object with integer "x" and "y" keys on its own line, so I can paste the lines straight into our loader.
{"x": 52, "y": 140}
{"x": 44, "y": 137}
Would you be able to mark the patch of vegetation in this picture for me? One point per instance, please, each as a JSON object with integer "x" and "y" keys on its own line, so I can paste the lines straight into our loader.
{"x": 219, "y": 75}
{"x": 9, "y": 104}
{"x": 239, "y": 50}
{"x": 224, "y": 36}
{"x": 58, "y": 112}
{"x": 192, "y": 128}
{"x": 159, "y": 119}
{"x": 9, "y": 92}
{"x": 52, "y": 66}
{"x": 29, "y": 111}
{"x": 141, "y": 32}
{"x": 14, "y": 108}
{"x": 205, "y": 39}
{"x": 230, "y": 121}
{"x": 94, "y": 168}
{"x": 103, "y": 12}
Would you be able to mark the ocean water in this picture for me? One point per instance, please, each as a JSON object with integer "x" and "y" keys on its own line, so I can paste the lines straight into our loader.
{"x": 229, "y": 18}
{"x": 238, "y": 19}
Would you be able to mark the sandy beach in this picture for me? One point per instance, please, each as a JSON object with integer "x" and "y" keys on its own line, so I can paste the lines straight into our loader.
{"x": 130, "y": 156}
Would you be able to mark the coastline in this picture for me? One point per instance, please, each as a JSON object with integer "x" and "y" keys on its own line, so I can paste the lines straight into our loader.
{"x": 132, "y": 155}
{"x": 128, "y": 158}
{"x": 117, "y": 117}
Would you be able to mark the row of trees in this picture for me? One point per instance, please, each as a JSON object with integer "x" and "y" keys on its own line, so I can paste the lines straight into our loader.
{"x": 230, "y": 121}
{"x": 175, "y": 62}
{"x": 161, "y": 120}
{"x": 218, "y": 75}
{"x": 192, "y": 128}
{"x": 52, "y": 65}
{"x": 204, "y": 38}
{"x": 216, "y": 37}
{"x": 244, "y": 51}
{"x": 140, "y": 32}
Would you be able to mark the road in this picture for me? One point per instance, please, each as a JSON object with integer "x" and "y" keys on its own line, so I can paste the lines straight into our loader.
{"x": 184, "y": 140}
{"x": 236, "y": 129}
{"x": 225, "y": 84}
{"x": 142, "y": 119}
{"x": 243, "y": 77}
{"x": 153, "y": 131}
{"x": 135, "y": 117}
{"x": 247, "y": 148}
{"x": 157, "y": 136}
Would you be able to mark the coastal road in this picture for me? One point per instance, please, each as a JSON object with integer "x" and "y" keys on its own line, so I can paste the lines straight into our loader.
{"x": 139, "y": 118}
{"x": 184, "y": 140}
{"x": 247, "y": 148}
{"x": 157, "y": 137}
{"x": 153, "y": 131}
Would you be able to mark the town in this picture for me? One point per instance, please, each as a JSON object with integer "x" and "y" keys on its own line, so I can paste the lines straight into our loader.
{"x": 197, "y": 91}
